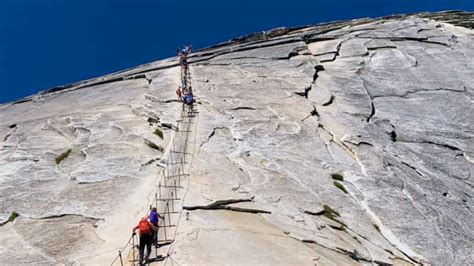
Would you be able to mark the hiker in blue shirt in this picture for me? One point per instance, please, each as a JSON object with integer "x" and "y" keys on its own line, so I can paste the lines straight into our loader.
{"x": 188, "y": 98}
{"x": 153, "y": 217}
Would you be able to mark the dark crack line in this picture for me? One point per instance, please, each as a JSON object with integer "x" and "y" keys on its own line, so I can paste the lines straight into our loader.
{"x": 212, "y": 55}
{"x": 169, "y": 126}
{"x": 336, "y": 54}
{"x": 412, "y": 167}
{"x": 321, "y": 54}
{"x": 451, "y": 147}
{"x": 314, "y": 112}
{"x": 242, "y": 108}
{"x": 401, "y": 39}
{"x": 317, "y": 69}
{"x": 381, "y": 47}
{"x": 211, "y": 135}
{"x": 138, "y": 76}
{"x": 56, "y": 216}
{"x": 351, "y": 254}
{"x": 408, "y": 93}
{"x": 305, "y": 93}
{"x": 12, "y": 131}
{"x": 223, "y": 205}
{"x": 372, "y": 106}
{"x": 66, "y": 215}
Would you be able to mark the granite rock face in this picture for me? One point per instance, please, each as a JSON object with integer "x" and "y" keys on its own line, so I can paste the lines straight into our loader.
{"x": 356, "y": 136}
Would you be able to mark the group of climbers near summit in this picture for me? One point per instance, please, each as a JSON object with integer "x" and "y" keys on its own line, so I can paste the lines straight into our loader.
{"x": 148, "y": 226}
{"x": 185, "y": 91}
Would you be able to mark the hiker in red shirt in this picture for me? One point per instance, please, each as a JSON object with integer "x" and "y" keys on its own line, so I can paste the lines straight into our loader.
{"x": 145, "y": 229}
{"x": 179, "y": 92}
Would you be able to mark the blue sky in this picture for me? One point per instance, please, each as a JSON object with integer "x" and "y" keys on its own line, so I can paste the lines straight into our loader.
{"x": 48, "y": 43}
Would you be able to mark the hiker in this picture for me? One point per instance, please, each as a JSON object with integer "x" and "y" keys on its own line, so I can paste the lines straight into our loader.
{"x": 188, "y": 98}
{"x": 153, "y": 217}
{"x": 145, "y": 230}
{"x": 184, "y": 82}
{"x": 179, "y": 92}
{"x": 183, "y": 61}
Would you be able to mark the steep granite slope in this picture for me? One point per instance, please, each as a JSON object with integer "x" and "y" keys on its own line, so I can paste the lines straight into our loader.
{"x": 351, "y": 140}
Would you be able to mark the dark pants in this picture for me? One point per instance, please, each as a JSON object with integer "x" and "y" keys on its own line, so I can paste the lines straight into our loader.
{"x": 155, "y": 234}
{"x": 145, "y": 240}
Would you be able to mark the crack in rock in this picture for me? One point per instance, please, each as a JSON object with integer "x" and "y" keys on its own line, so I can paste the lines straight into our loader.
{"x": 412, "y": 167}
{"x": 13, "y": 130}
{"x": 214, "y": 130}
{"x": 330, "y": 101}
{"x": 401, "y": 39}
{"x": 223, "y": 205}
{"x": 65, "y": 215}
{"x": 351, "y": 254}
{"x": 381, "y": 47}
{"x": 242, "y": 108}
{"x": 336, "y": 54}
{"x": 169, "y": 126}
{"x": 314, "y": 112}
{"x": 305, "y": 93}
{"x": 408, "y": 93}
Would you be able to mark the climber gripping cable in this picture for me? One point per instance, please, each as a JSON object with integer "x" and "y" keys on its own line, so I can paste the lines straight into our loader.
{"x": 179, "y": 93}
{"x": 153, "y": 217}
{"x": 188, "y": 98}
{"x": 145, "y": 229}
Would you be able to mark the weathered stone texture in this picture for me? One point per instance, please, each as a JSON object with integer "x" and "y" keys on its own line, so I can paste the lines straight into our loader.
{"x": 386, "y": 103}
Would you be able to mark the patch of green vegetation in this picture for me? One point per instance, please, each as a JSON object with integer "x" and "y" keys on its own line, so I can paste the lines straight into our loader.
{"x": 337, "y": 176}
{"x": 340, "y": 186}
{"x": 340, "y": 228}
{"x": 63, "y": 156}
{"x": 153, "y": 145}
{"x": 12, "y": 218}
{"x": 149, "y": 162}
{"x": 330, "y": 213}
{"x": 159, "y": 133}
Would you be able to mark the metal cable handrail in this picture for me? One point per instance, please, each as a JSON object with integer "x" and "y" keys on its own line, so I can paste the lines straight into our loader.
{"x": 130, "y": 244}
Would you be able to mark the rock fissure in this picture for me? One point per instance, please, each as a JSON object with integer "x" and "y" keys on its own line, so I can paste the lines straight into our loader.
{"x": 224, "y": 205}
{"x": 371, "y": 99}
{"x": 330, "y": 101}
{"x": 401, "y": 39}
{"x": 412, "y": 167}
{"x": 351, "y": 254}
{"x": 214, "y": 130}
{"x": 336, "y": 54}
{"x": 314, "y": 112}
{"x": 381, "y": 47}
{"x": 305, "y": 93}
{"x": 11, "y": 132}
{"x": 408, "y": 93}
{"x": 242, "y": 108}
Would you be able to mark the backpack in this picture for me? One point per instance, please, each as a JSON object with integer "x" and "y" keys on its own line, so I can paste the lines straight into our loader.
{"x": 144, "y": 227}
